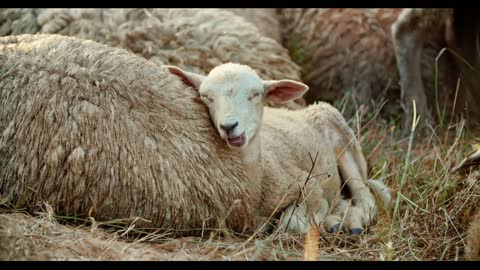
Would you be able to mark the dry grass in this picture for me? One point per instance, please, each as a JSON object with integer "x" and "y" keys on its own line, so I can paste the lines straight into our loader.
{"x": 433, "y": 208}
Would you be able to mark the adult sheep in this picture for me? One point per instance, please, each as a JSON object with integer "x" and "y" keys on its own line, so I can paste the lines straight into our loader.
{"x": 86, "y": 127}
{"x": 279, "y": 148}
{"x": 352, "y": 50}
{"x": 194, "y": 39}
{"x": 458, "y": 29}
{"x": 344, "y": 49}
{"x": 265, "y": 19}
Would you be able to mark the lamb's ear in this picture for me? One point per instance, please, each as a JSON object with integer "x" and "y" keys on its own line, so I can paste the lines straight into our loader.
{"x": 283, "y": 90}
{"x": 189, "y": 78}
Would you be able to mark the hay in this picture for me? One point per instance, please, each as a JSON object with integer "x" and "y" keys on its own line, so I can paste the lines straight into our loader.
{"x": 24, "y": 237}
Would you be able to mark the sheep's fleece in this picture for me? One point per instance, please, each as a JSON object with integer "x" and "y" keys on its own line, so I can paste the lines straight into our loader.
{"x": 194, "y": 39}
{"x": 88, "y": 127}
{"x": 265, "y": 19}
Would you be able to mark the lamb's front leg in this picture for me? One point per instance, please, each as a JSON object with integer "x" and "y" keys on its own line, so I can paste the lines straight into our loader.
{"x": 364, "y": 208}
{"x": 312, "y": 210}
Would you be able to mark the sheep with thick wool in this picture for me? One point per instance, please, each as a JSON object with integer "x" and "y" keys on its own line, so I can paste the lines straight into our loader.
{"x": 194, "y": 39}
{"x": 353, "y": 50}
{"x": 301, "y": 158}
{"x": 265, "y": 19}
{"x": 457, "y": 30}
{"x": 341, "y": 49}
{"x": 95, "y": 130}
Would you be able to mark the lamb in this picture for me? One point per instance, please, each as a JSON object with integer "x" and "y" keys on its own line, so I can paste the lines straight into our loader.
{"x": 194, "y": 39}
{"x": 277, "y": 148}
{"x": 97, "y": 131}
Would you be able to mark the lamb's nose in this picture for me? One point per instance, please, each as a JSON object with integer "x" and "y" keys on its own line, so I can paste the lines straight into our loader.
{"x": 228, "y": 127}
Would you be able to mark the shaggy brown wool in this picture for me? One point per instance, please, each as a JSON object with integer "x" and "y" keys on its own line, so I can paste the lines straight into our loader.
{"x": 459, "y": 29}
{"x": 351, "y": 50}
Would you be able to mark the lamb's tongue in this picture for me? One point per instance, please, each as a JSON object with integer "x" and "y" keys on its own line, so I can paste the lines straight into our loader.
{"x": 237, "y": 140}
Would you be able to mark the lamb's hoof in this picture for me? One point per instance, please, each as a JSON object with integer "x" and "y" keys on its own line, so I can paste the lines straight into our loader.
{"x": 356, "y": 231}
{"x": 335, "y": 228}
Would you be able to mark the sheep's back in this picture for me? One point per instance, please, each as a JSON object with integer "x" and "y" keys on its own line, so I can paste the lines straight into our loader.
{"x": 265, "y": 19}
{"x": 193, "y": 39}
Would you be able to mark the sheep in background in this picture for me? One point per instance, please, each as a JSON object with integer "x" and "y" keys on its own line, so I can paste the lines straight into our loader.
{"x": 343, "y": 50}
{"x": 277, "y": 148}
{"x": 90, "y": 128}
{"x": 409, "y": 32}
{"x": 194, "y": 39}
{"x": 459, "y": 29}
{"x": 265, "y": 19}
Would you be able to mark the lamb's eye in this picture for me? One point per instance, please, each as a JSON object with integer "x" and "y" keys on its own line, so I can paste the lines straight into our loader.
{"x": 205, "y": 97}
{"x": 254, "y": 96}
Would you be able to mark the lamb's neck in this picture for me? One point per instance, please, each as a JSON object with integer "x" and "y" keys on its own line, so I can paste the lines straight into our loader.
{"x": 252, "y": 158}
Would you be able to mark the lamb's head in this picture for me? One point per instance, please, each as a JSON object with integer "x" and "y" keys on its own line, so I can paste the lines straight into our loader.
{"x": 235, "y": 96}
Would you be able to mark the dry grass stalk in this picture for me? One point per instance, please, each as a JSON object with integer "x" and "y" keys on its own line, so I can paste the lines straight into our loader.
{"x": 311, "y": 244}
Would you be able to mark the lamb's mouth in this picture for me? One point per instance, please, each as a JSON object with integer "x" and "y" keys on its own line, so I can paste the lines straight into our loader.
{"x": 237, "y": 141}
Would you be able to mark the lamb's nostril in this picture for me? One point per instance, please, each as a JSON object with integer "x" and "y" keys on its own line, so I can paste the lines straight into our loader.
{"x": 228, "y": 127}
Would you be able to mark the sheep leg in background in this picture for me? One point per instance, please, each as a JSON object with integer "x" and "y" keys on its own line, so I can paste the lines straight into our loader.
{"x": 408, "y": 35}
